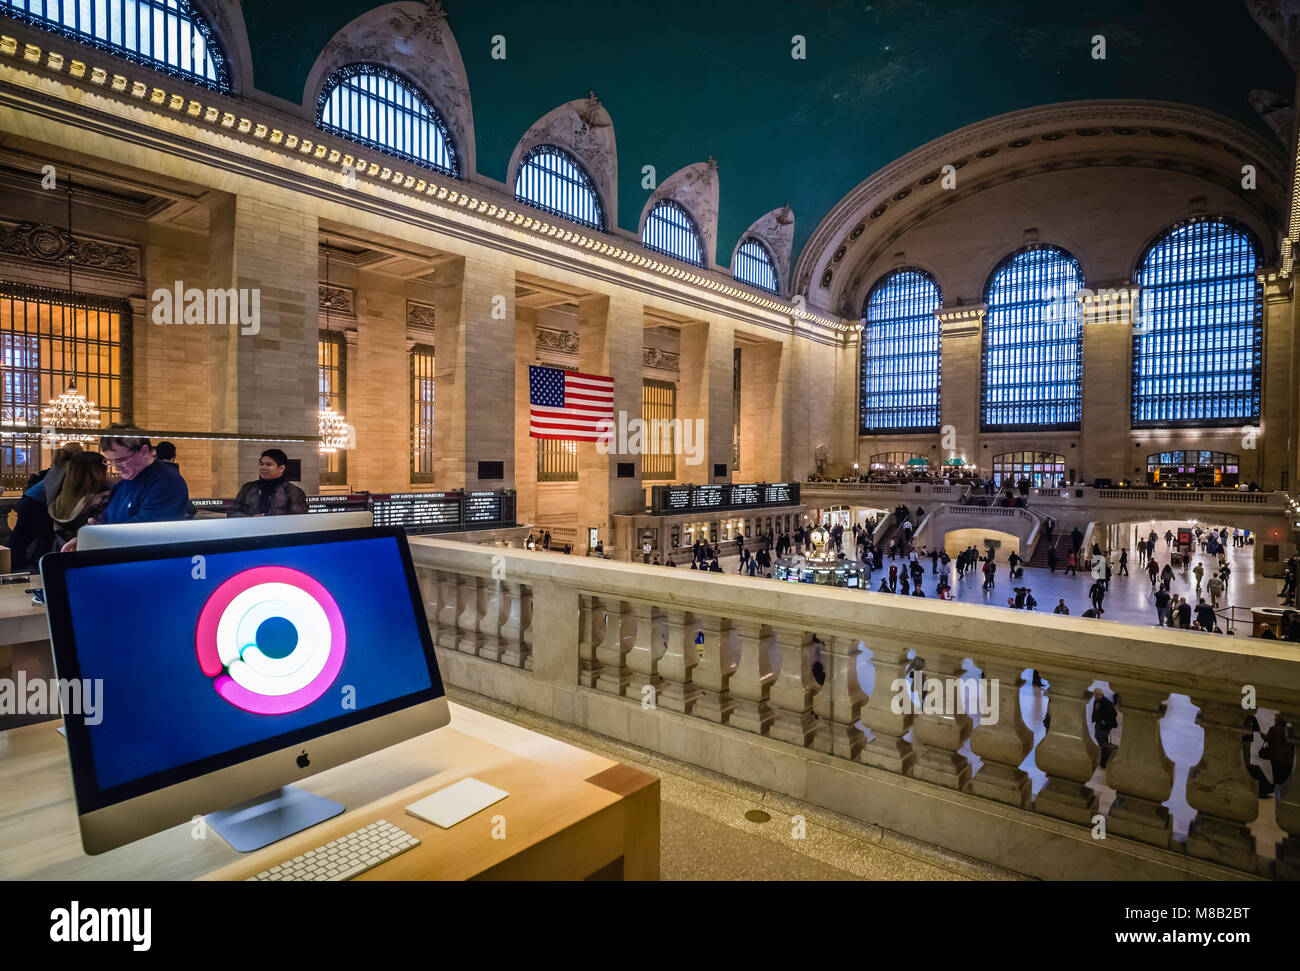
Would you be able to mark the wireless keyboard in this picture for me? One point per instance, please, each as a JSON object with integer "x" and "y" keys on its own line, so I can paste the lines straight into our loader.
{"x": 347, "y": 856}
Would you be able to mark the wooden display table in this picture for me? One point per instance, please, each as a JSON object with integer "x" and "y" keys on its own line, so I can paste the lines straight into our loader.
{"x": 570, "y": 815}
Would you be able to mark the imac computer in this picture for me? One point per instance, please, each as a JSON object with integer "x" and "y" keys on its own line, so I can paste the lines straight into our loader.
{"x": 194, "y": 530}
{"x": 228, "y": 669}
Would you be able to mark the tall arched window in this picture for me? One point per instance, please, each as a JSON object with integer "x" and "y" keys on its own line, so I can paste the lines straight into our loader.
{"x": 167, "y": 35}
{"x": 669, "y": 229}
{"x": 754, "y": 265}
{"x": 376, "y": 106}
{"x": 553, "y": 180}
{"x": 900, "y": 354}
{"x": 1200, "y": 327}
{"x": 1033, "y": 341}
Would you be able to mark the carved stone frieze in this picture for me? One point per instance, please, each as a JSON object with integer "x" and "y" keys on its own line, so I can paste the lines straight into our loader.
{"x": 42, "y": 243}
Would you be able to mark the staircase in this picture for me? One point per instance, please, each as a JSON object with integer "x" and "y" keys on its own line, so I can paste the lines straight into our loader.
{"x": 1060, "y": 543}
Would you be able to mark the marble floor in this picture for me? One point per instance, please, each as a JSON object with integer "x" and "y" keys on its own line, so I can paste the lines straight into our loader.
{"x": 706, "y": 832}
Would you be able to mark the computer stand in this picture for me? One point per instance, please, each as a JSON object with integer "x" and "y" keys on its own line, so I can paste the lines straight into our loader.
{"x": 272, "y": 816}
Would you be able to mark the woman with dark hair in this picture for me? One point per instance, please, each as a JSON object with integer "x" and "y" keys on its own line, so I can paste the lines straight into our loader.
{"x": 82, "y": 494}
{"x": 270, "y": 494}
{"x": 33, "y": 533}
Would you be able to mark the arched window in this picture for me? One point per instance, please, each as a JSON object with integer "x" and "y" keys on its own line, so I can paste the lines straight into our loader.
{"x": 168, "y": 35}
{"x": 900, "y": 354}
{"x": 373, "y": 105}
{"x": 1198, "y": 335}
{"x": 553, "y": 180}
{"x": 669, "y": 229}
{"x": 754, "y": 265}
{"x": 1033, "y": 341}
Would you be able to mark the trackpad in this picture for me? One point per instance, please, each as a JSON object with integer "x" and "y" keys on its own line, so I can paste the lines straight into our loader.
{"x": 458, "y": 801}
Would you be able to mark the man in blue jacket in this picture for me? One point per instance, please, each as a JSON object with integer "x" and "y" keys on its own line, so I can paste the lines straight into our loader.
{"x": 150, "y": 491}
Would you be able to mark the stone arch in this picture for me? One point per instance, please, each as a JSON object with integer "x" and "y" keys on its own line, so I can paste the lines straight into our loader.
{"x": 585, "y": 129}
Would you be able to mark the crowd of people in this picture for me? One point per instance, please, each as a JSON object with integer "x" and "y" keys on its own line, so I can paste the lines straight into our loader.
{"x": 129, "y": 480}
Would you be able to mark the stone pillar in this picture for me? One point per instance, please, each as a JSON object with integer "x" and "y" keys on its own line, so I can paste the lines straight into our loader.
{"x": 1004, "y": 743}
{"x": 679, "y": 692}
{"x": 1107, "y": 318}
{"x": 713, "y": 673}
{"x": 1068, "y": 753}
{"x": 610, "y": 337}
{"x": 939, "y": 734}
{"x": 591, "y": 635}
{"x": 516, "y": 628}
{"x": 886, "y": 748}
{"x": 647, "y": 642}
{"x": 762, "y": 399}
{"x": 705, "y": 395}
{"x": 753, "y": 678}
{"x": 474, "y": 324}
{"x": 448, "y": 609}
{"x": 471, "y": 608}
{"x": 1278, "y": 413}
{"x": 1287, "y": 866}
{"x": 492, "y": 596}
{"x": 840, "y": 700}
{"x": 960, "y": 329}
{"x": 264, "y": 382}
{"x": 1139, "y": 772}
{"x": 1221, "y": 791}
{"x": 612, "y": 650}
{"x": 525, "y": 352}
{"x": 792, "y": 693}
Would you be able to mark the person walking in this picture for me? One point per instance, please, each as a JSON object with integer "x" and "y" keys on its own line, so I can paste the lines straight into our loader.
{"x": 1104, "y": 720}
{"x": 1069, "y": 565}
{"x": 1097, "y": 593}
{"x": 1051, "y": 560}
{"x": 1215, "y": 587}
{"x": 1123, "y": 562}
{"x": 1205, "y": 616}
{"x": 1153, "y": 570}
{"x": 1162, "y": 598}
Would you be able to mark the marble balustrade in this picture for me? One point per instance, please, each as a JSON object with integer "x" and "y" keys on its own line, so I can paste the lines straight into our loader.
{"x": 819, "y": 669}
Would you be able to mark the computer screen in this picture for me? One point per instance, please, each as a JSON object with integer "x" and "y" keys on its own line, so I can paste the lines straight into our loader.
{"x": 214, "y": 653}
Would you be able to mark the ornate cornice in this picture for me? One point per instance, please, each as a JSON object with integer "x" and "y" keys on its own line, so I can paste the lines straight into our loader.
{"x": 42, "y": 243}
{"x": 562, "y": 341}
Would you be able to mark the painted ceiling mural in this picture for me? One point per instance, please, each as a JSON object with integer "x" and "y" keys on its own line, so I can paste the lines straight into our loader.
{"x": 684, "y": 80}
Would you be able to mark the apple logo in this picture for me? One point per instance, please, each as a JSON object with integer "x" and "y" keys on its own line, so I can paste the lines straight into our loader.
{"x": 303, "y": 760}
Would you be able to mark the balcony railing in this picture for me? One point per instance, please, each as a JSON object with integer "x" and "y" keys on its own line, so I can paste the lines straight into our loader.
{"x": 719, "y": 670}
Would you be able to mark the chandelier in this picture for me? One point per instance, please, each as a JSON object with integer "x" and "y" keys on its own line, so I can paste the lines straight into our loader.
{"x": 70, "y": 410}
{"x": 333, "y": 431}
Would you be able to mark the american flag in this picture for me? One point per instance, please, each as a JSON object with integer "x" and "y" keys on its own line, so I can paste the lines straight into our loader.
{"x": 569, "y": 406}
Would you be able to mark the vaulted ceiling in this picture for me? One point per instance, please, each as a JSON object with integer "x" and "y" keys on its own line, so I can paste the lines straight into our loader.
{"x": 684, "y": 79}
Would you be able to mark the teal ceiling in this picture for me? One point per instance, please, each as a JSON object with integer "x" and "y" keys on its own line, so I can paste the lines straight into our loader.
{"x": 684, "y": 79}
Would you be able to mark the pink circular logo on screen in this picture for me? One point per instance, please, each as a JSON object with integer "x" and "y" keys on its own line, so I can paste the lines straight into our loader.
{"x": 272, "y": 640}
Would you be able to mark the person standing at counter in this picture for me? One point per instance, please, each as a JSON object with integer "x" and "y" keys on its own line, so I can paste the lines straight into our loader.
{"x": 271, "y": 494}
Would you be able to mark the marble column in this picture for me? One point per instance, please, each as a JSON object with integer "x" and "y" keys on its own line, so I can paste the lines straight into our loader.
{"x": 1002, "y": 744}
{"x": 448, "y": 609}
{"x": 713, "y": 673}
{"x": 491, "y": 597}
{"x": 1221, "y": 791}
{"x": 1068, "y": 753}
{"x": 471, "y": 609}
{"x": 516, "y": 629}
{"x": 938, "y": 728}
{"x": 614, "y": 646}
{"x": 591, "y": 634}
{"x": 1140, "y": 772}
{"x": 679, "y": 692}
{"x": 886, "y": 748}
{"x": 839, "y": 702}
{"x": 752, "y": 681}
{"x": 647, "y": 641}
{"x": 792, "y": 692}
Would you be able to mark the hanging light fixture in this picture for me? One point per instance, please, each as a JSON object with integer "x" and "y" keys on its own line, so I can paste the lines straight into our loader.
{"x": 71, "y": 409}
{"x": 334, "y": 432}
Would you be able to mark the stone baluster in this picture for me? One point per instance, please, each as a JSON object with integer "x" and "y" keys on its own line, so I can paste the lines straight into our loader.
{"x": 492, "y": 596}
{"x": 792, "y": 692}
{"x": 713, "y": 673}
{"x": 591, "y": 634}
{"x": 620, "y": 629}
{"x": 839, "y": 702}
{"x": 1002, "y": 740}
{"x": 647, "y": 641}
{"x": 679, "y": 692}
{"x": 1139, "y": 771}
{"x": 938, "y": 734}
{"x": 448, "y": 609}
{"x": 514, "y": 642}
{"x": 1068, "y": 753}
{"x": 526, "y": 627}
{"x": 752, "y": 681}
{"x": 1287, "y": 866}
{"x": 887, "y": 748}
{"x": 471, "y": 609}
{"x": 1221, "y": 791}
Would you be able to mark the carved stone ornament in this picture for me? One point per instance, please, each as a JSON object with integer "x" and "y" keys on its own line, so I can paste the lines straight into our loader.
{"x": 42, "y": 243}
{"x": 419, "y": 315}
{"x": 337, "y": 300}
{"x": 564, "y": 341}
